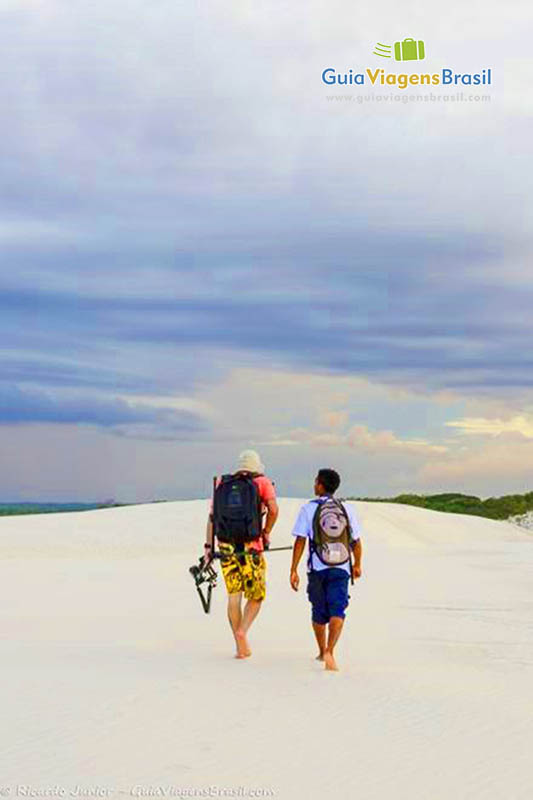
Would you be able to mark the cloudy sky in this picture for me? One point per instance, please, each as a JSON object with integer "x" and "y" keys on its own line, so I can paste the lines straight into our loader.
{"x": 204, "y": 249}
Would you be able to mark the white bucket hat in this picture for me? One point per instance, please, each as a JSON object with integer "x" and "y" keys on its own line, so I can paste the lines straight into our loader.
{"x": 249, "y": 461}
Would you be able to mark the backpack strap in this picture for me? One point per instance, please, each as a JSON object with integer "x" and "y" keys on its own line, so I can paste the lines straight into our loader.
{"x": 312, "y": 548}
{"x": 340, "y": 503}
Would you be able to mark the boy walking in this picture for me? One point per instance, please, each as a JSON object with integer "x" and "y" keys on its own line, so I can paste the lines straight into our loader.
{"x": 335, "y": 553}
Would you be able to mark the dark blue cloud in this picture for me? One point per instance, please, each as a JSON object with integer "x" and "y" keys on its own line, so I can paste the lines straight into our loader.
{"x": 51, "y": 370}
{"x": 19, "y": 406}
{"x": 319, "y": 308}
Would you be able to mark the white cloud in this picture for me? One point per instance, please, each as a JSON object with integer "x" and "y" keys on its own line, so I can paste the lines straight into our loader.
{"x": 360, "y": 437}
{"x": 480, "y": 426}
{"x": 499, "y": 466}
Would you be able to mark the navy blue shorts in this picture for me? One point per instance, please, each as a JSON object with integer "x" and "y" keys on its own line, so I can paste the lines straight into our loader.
{"x": 327, "y": 590}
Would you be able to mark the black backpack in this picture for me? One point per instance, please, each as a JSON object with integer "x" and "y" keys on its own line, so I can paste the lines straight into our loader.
{"x": 237, "y": 510}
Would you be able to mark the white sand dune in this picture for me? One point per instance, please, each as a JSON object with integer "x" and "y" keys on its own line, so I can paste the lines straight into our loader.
{"x": 114, "y": 680}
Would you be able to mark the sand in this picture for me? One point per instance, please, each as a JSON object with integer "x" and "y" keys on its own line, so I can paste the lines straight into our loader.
{"x": 115, "y": 683}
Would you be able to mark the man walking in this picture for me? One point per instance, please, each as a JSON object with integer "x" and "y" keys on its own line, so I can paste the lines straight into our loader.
{"x": 335, "y": 553}
{"x": 237, "y": 525}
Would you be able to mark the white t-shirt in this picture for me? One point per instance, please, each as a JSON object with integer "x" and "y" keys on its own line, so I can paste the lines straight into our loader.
{"x": 303, "y": 527}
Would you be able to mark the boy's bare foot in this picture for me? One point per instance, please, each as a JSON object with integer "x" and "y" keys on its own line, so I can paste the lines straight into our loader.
{"x": 329, "y": 662}
{"x": 243, "y": 648}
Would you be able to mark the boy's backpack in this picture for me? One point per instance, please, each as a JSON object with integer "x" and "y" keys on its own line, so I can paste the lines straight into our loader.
{"x": 332, "y": 533}
{"x": 237, "y": 510}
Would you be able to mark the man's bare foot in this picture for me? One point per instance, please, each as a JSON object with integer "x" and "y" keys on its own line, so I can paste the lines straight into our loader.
{"x": 329, "y": 662}
{"x": 243, "y": 648}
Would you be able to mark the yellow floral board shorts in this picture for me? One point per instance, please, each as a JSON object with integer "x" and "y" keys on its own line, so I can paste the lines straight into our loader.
{"x": 243, "y": 573}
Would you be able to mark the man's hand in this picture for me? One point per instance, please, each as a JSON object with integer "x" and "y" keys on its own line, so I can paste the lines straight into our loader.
{"x": 295, "y": 580}
{"x": 208, "y": 554}
{"x": 266, "y": 539}
{"x": 356, "y": 571}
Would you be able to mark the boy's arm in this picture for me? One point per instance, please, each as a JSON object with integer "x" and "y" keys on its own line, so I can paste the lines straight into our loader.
{"x": 357, "y": 552}
{"x": 297, "y": 552}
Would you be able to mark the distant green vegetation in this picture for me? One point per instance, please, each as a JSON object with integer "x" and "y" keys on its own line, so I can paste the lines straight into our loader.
{"x": 11, "y": 509}
{"x": 509, "y": 505}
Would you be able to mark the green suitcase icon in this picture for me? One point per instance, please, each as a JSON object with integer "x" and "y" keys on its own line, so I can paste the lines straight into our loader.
{"x": 409, "y": 50}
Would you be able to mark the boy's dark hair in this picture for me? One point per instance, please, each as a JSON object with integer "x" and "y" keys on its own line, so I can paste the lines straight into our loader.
{"x": 329, "y": 479}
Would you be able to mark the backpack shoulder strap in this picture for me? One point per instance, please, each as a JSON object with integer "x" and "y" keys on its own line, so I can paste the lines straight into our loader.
{"x": 340, "y": 502}
{"x": 314, "y": 525}
{"x": 350, "y": 535}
